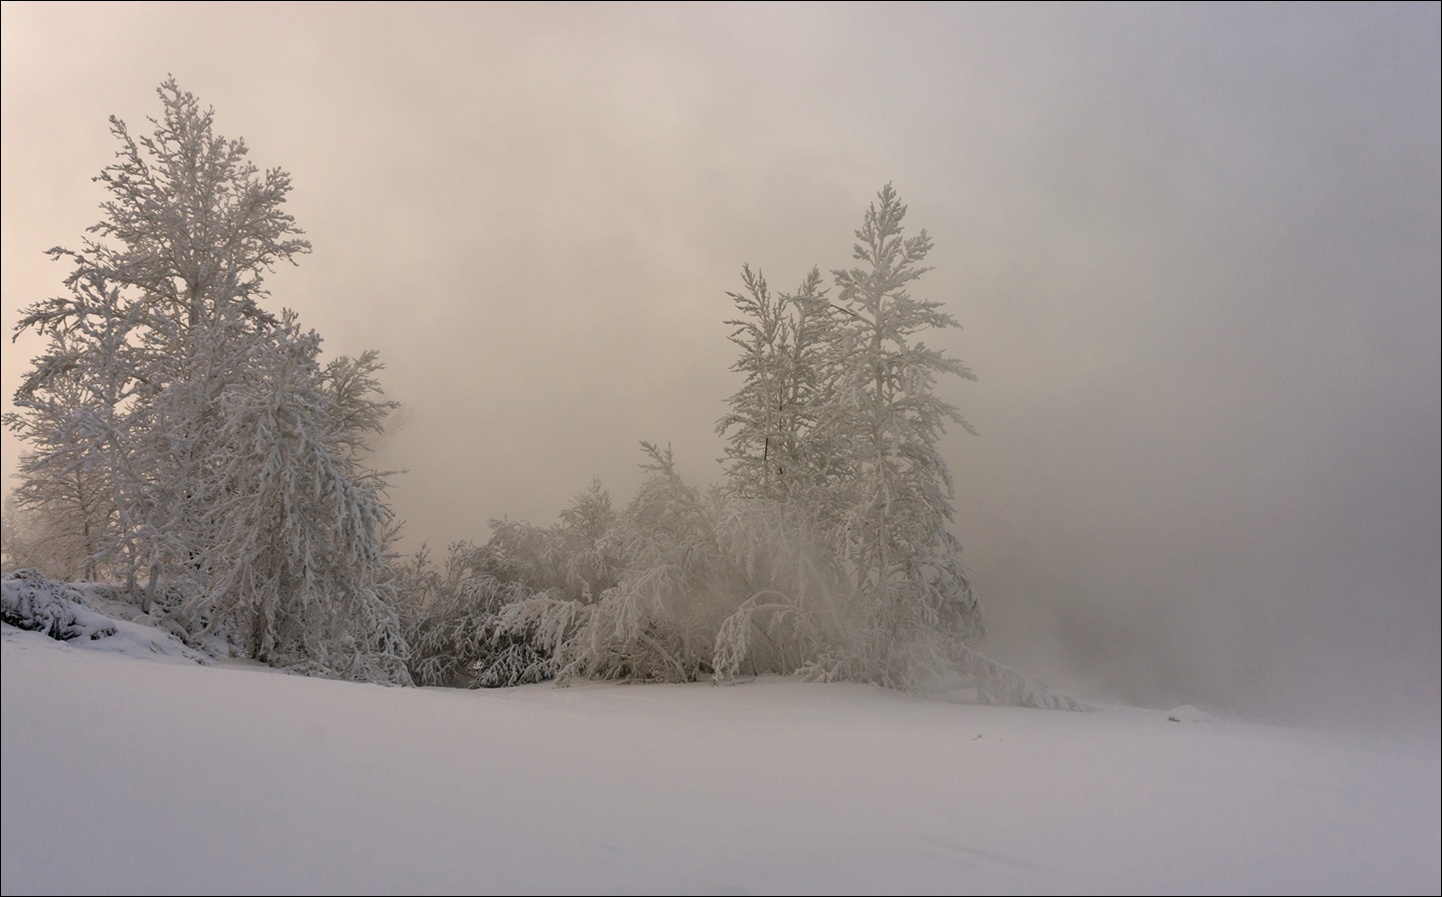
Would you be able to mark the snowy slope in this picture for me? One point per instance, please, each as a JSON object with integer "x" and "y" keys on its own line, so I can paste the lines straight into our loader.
{"x": 123, "y": 775}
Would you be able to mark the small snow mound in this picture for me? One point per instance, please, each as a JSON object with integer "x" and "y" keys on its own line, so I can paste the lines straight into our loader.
{"x": 138, "y": 639}
{"x": 1188, "y": 714}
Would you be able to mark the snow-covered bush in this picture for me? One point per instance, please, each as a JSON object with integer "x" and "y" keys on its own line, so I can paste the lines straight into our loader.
{"x": 719, "y": 586}
{"x": 658, "y": 621}
{"x": 28, "y": 600}
{"x": 451, "y": 621}
{"x": 455, "y": 628}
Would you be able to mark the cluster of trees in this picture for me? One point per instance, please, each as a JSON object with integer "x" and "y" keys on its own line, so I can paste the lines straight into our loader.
{"x": 191, "y": 445}
{"x": 826, "y": 551}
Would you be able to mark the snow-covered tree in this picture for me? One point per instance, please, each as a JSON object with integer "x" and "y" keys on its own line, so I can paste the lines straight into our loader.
{"x": 888, "y": 420}
{"x": 772, "y": 449}
{"x": 79, "y": 408}
{"x": 191, "y": 225}
{"x": 64, "y": 495}
{"x": 827, "y": 553}
{"x": 838, "y": 418}
{"x": 839, "y": 500}
{"x": 30, "y": 540}
{"x": 294, "y": 529}
{"x": 158, "y": 301}
{"x": 229, "y": 461}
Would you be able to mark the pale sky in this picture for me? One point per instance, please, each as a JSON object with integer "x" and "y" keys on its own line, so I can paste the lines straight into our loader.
{"x": 1194, "y": 250}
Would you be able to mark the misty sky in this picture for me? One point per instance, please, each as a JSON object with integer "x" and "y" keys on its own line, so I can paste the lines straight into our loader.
{"x": 1194, "y": 250}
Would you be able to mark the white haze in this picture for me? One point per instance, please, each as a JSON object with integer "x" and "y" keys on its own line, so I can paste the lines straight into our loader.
{"x": 1195, "y": 251}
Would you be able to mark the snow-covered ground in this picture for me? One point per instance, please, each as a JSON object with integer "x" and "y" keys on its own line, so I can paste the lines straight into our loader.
{"x": 140, "y": 771}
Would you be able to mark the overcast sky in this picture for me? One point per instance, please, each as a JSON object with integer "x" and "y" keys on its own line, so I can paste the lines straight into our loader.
{"x": 1194, "y": 250}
